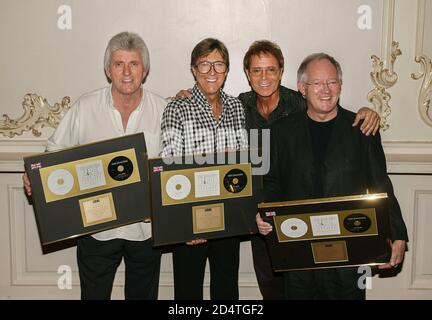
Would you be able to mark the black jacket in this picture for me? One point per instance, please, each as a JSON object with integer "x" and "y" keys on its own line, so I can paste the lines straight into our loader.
{"x": 354, "y": 163}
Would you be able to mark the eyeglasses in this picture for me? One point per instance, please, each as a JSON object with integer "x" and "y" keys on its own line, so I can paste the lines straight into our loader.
{"x": 205, "y": 66}
{"x": 270, "y": 71}
{"x": 317, "y": 84}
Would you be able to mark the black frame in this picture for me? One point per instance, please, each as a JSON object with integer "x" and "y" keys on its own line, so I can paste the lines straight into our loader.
{"x": 61, "y": 220}
{"x": 173, "y": 224}
{"x": 362, "y": 248}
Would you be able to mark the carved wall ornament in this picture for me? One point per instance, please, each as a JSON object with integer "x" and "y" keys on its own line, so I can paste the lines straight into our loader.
{"x": 37, "y": 114}
{"x": 425, "y": 95}
{"x": 421, "y": 57}
{"x": 383, "y": 78}
{"x": 382, "y": 75}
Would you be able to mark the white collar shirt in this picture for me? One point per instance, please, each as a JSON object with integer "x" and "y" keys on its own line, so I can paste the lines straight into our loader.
{"x": 93, "y": 117}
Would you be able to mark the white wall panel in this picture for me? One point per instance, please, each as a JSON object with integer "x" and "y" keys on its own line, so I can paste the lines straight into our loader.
{"x": 414, "y": 281}
{"x": 422, "y": 238}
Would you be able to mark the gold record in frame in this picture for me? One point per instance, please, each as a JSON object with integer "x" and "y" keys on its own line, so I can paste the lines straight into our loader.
{"x": 208, "y": 218}
{"x": 202, "y": 184}
{"x": 69, "y": 179}
{"x": 97, "y": 209}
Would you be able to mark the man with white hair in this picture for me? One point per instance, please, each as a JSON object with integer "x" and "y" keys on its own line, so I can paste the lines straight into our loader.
{"x": 317, "y": 153}
{"x": 123, "y": 107}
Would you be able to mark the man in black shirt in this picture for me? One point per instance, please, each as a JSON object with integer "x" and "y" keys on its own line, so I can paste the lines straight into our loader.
{"x": 268, "y": 102}
{"x": 317, "y": 153}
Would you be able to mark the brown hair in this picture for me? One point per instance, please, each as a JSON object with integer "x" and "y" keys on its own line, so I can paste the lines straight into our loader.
{"x": 205, "y": 47}
{"x": 263, "y": 46}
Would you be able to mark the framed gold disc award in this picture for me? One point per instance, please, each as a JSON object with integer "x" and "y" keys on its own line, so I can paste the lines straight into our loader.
{"x": 192, "y": 199}
{"x": 328, "y": 232}
{"x": 89, "y": 188}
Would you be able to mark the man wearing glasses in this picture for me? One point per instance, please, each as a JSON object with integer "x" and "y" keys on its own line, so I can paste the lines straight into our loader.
{"x": 209, "y": 121}
{"x": 268, "y": 102}
{"x": 317, "y": 153}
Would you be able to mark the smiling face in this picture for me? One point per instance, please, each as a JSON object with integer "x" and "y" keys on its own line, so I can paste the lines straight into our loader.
{"x": 264, "y": 74}
{"x": 322, "y": 89}
{"x": 126, "y": 72}
{"x": 211, "y": 82}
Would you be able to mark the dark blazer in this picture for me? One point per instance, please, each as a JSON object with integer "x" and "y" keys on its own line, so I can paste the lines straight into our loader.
{"x": 354, "y": 163}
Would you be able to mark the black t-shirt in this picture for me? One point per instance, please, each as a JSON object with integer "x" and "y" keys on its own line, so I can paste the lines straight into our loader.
{"x": 320, "y": 133}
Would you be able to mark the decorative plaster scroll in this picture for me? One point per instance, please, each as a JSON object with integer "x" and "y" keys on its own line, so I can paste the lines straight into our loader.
{"x": 426, "y": 88}
{"x": 383, "y": 78}
{"x": 382, "y": 75}
{"x": 424, "y": 100}
{"x": 37, "y": 114}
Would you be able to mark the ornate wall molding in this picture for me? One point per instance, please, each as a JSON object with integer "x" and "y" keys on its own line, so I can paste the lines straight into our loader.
{"x": 426, "y": 88}
{"x": 38, "y": 113}
{"x": 383, "y": 76}
{"x": 425, "y": 62}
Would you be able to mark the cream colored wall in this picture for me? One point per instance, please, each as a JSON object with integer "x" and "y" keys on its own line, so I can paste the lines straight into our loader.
{"x": 51, "y": 62}
{"x": 40, "y": 58}
{"x": 427, "y": 42}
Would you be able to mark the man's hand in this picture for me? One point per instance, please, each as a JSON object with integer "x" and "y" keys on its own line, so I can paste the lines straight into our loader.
{"x": 27, "y": 185}
{"x": 398, "y": 253}
{"x": 184, "y": 94}
{"x": 264, "y": 227}
{"x": 195, "y": 242}
{"x": 371, "y": 122}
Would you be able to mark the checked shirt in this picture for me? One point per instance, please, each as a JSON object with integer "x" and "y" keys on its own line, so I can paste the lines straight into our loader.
{"x": 188, "y": 126}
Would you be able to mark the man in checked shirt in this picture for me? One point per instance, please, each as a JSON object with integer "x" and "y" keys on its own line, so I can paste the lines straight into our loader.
{"x": 208, "y": 121}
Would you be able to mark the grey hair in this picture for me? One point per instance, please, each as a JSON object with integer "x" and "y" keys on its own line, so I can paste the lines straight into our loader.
{"x": 127, "y": 41}
{"x": 301, "y": 72}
